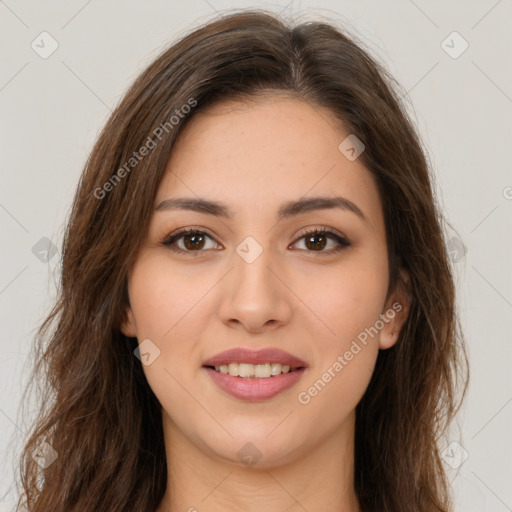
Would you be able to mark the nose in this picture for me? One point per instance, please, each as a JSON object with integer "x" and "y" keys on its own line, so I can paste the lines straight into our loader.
{"x": 255, "y": 296}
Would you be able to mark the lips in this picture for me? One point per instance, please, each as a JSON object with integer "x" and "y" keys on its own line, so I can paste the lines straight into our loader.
{"x": 259, "y": 387}
{"x": 243, "y": 355}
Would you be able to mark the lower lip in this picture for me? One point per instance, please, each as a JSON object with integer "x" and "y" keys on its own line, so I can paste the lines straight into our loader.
{"x": 253, "y": 389}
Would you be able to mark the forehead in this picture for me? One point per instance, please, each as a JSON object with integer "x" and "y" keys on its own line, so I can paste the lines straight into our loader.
{"x": 261, "y": 153}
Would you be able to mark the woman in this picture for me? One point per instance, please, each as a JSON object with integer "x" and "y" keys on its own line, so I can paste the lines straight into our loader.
{"x": 256, "y": 308}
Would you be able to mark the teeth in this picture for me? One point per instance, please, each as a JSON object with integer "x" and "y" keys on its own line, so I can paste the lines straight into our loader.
{"x": 258, "y": 371}
{"x": 246, "y": 370}
{"x": 262, "y": 371}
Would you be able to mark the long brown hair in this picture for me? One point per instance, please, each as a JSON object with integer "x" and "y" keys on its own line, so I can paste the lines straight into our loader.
{"x": 98, "y": 412}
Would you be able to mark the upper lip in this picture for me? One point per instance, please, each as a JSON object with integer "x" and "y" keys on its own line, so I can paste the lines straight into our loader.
{"x": 244, "y": 355}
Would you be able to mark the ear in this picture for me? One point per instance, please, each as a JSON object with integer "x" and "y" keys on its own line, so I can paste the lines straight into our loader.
{"x": 128, "y": 327}
{"x": 396, "y": 311}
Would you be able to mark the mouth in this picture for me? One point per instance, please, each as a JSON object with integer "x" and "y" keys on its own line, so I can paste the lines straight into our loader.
{"x": 254, "y": 375}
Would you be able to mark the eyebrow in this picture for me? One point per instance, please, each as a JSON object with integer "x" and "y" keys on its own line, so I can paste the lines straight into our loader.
{"x": 287, "y": 210}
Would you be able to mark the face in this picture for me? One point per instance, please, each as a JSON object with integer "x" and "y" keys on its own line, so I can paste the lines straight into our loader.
{"x": 256, "y": 272}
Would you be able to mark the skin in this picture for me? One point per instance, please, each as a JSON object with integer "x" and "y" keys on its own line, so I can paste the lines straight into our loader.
{"x": 309, "y": 302}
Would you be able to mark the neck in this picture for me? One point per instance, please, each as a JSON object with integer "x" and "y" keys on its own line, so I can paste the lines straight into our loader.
{"x": 321, "y": 479}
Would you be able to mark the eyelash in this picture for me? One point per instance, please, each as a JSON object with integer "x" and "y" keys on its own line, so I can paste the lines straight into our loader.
{"x": 343, "y": 243}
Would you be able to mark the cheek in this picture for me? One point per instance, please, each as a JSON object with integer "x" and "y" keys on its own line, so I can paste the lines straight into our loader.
{"x": 347, "y": 302}
{"x": 163, "y": 298}
{"x": 345, "y": 299}
{"x": 166, "y": 304}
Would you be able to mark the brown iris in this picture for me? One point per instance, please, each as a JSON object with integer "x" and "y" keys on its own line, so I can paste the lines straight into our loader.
{"x": 194, "y": 241}
{"x": 309, "y": 240}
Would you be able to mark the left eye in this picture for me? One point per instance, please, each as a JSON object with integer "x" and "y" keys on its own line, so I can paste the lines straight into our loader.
{"x": 194, "y": 240}
{"x": 318, "y": 239}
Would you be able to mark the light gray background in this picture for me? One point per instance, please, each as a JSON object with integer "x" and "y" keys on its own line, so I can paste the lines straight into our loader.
{"x": 52, "y": 110}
